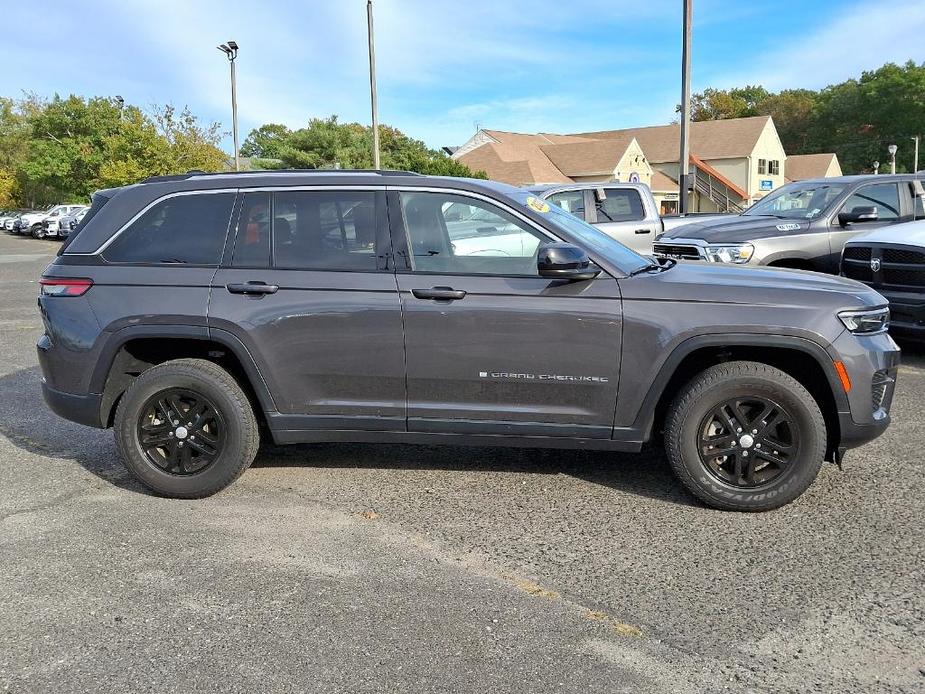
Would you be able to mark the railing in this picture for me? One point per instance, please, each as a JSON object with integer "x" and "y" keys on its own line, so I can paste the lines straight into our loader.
{"x": 715, "y": 190}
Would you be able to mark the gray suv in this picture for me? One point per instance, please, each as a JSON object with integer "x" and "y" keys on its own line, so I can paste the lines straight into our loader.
{"x": 802, "y": 225}
{"x": 196, "y": 314}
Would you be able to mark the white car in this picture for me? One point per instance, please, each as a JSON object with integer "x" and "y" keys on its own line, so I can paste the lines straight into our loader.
{"x": 892, "y": 261}
{"x": 42, "y": 224}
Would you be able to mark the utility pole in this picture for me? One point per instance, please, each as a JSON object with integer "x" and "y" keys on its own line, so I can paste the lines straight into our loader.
{"x": 372, "y": 83}
{"x": 892, "y": 150}
{"x": 915, "y": 168}
{"x": 684, "y": 167}
{"x": 230, "y": 50}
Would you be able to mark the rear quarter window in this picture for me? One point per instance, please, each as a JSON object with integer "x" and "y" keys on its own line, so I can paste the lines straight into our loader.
{"x": 184, "y": 229}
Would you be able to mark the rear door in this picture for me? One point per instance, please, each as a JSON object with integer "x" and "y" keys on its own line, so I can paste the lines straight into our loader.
{"x": 622, "y": 215}
{"x": 491, "y": 347}
{"x": 308, "y": 289}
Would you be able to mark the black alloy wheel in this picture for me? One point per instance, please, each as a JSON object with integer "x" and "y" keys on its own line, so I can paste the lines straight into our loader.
{"x": 180, "y": 431}
{"x": 748, "y": 442}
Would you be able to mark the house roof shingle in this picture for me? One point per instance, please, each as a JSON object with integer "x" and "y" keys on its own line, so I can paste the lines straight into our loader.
{"x": 717, "y": 139}
{"x": 588, "y": 156}
{"x": 800, "y": 167}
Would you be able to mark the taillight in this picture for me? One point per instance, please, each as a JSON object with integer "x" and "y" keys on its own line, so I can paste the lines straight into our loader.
{"x": 64, "y": 287}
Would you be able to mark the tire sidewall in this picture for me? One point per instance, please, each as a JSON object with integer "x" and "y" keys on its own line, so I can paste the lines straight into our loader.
{"x": 788, "y": 486}
{"x": 220, "y": 473}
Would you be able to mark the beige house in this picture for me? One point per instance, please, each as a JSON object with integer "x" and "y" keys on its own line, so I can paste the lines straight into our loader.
{"x": 801, "y": 167}
{"x": 521, "y": 159}
{"x": 734, "y": 162}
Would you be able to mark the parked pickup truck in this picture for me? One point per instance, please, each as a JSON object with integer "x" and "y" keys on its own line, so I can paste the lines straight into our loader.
{"x": 892, "y": 261}
{"x": 624, "y": 211}
{"x": 802, "y": 225}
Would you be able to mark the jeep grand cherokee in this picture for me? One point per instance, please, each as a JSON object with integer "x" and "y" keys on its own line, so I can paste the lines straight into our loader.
{"x": 196, "y": 313}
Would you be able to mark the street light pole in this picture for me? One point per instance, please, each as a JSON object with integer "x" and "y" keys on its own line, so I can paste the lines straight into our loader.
{"x": 372, "y": 83}
{"x": 892, "y": 150}
{"x": 684, "y": 166}
{"x": 915, "y": 168}
{"x": 230, "y": 50}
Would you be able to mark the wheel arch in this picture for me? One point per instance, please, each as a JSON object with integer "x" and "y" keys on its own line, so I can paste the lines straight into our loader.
{"x": 132, "y": 350}
{"x": 801, "y": 358}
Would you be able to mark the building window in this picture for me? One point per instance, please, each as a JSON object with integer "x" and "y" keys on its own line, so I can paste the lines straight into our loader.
{"x": 774, "y": 167}
{"x": 762, "y": 166}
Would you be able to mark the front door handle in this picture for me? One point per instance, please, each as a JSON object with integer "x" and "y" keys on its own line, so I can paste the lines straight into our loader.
{"x": 643, "y": 231}
{"x": 252, "y": 288}
{"x": 439, "y": 293}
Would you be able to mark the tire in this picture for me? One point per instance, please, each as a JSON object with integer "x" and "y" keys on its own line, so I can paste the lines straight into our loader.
{"x": 724, "y": 397}
{"x": 37, "y": 231}
{"x": 230, "y": 425}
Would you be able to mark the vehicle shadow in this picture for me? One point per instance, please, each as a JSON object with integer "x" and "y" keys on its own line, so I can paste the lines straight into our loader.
{"x": 28, "y": 424}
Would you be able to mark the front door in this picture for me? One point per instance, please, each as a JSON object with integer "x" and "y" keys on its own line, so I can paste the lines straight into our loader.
{"x": 621, "y": 214}
{"x": 491, "y": 347}
{"x": 307, "y": 289}
{"x": 884, "y": 197}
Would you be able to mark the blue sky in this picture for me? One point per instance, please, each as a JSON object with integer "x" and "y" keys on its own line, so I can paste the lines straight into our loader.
{"x": 445, "y": 66}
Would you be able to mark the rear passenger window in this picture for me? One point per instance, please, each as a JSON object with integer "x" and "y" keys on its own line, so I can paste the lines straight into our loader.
{"x": 184, "y": 229}
{"x": 252, "y": 242}
{"x": 620, "y": 205}
{"x": 315, "y": 230}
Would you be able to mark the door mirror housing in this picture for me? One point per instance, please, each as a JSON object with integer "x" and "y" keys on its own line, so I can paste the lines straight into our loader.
{"x": 858, "y": 214}
{"x": 564, "y": 261}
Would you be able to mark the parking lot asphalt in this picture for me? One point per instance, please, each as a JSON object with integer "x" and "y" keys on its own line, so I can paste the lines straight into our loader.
{"x": 365, "y": 568}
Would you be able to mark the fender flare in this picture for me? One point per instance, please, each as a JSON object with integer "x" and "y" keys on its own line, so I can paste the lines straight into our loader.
{"x": 117, "y": 339}
{"x": 645, "y": 417}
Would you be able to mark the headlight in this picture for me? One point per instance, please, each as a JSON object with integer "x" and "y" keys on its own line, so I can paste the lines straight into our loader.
{"x": 866, "y": 322}
{"x": 737, "y": 253}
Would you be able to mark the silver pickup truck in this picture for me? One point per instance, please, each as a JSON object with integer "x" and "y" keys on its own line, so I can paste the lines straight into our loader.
{"x": 624, "y": 211}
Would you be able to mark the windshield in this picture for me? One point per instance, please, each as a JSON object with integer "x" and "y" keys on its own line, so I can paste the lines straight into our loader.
{"x": 798, "y": 201}
{"x": 594, "y": 240}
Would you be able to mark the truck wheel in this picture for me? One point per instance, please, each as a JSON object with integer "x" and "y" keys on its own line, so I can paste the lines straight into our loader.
{"x": 744, "y": 436}
{"x": 185, "y": 429}
{"x": 37, "y": 231}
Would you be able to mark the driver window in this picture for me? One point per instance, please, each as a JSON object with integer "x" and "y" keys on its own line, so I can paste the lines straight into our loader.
{"x": 883, "y": 196}
{"x": 457, "y": 234}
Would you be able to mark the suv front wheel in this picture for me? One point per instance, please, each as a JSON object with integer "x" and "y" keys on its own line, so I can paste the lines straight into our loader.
{"x": 185, "y": 429}
{"x": 745, "y": 436}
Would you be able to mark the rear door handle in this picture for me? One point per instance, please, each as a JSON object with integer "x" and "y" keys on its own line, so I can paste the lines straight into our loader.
{"x": 643, "y": 231}
{"x": 439, "y": 294}
{"x": 252, "y": 288}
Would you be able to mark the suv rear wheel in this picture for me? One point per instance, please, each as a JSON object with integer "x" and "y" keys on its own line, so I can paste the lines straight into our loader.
{"x": 185, "y": 429}
{"x": 744, "y": 436}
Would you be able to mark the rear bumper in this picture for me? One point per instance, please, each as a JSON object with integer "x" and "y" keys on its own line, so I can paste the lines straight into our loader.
{"x": 83, "y": 409}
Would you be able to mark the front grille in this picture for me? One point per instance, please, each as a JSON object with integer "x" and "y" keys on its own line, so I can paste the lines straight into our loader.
{"x": 901, "y": 255}
{"x": 903, "y": 278}
{"x": 857, "y": 253}
{"x": 885, "y": 265}
{"x": 670, "y": 250}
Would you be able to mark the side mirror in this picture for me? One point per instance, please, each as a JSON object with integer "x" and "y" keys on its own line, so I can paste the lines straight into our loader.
{"x": 858, "y": 214}
{"x": 563, "y": 261}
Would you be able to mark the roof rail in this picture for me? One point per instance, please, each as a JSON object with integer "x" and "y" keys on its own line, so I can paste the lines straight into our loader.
{"x": 194, "y": 172}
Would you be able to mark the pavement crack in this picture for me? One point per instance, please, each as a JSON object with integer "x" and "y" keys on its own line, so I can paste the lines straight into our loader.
{"x": 57, "y": 501}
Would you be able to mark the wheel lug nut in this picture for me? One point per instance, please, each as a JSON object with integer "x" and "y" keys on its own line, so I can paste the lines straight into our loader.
{"x": 744, "y": 453}
{"x": 757, "y": 445}
{"x": 754, "y": 431}
{"x": 170, "y": 434}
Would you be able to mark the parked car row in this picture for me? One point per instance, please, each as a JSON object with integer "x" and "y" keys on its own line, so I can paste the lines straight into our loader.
{"x": 56, "y": 221}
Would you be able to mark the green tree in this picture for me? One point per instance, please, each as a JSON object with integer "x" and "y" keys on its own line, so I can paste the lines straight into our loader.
{"x": 326, "y": 143}
{"x": 266, "y": 141}
{"x": 718, "y": 104}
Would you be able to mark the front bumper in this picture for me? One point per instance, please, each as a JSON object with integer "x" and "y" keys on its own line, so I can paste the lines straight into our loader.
{"x": 872, "y": 363}
{"x": 907, "y": 313}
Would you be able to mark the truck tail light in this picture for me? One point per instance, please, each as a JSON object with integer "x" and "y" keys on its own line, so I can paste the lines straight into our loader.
{"x": 64, "y": 286}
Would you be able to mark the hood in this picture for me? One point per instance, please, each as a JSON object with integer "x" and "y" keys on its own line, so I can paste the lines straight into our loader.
{"x": 909, "y": 234}
{"x": 737, "y": 229}
{"x": 753, "y": 286}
